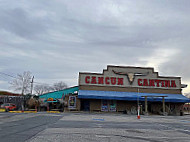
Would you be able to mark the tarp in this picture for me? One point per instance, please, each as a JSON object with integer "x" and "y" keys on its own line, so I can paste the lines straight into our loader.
{"x": 131, "y": 96}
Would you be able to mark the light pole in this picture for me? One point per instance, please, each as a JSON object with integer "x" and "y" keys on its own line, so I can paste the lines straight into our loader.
{"x": 138, "y": 107}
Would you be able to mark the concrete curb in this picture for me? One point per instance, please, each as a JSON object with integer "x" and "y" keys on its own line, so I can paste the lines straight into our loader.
{"x": 30, "y": 111}
{"x": 2, "y": 110}
{"x": 22, "y": 111}
{"x": 53, "y": 112}
{"x": 15, "y": 111}
{"x": 19, "y": 111}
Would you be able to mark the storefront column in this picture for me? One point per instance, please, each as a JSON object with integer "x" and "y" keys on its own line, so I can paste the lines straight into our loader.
{"x": 163, "y": 105}
{"x": 146, "y": 105}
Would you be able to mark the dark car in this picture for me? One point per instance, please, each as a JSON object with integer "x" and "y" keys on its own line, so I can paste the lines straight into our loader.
{"x": 8, "y": 106}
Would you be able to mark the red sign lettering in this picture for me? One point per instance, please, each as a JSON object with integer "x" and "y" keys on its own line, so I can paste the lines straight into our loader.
{"x": 93, "y": 80}
{"x": 120, "y": 81}
{"x": 107, "y": 80}
{"x": 140, "y": 82}
{"x": 100, "y": 80}
{"x": 113, "y": 80}
{"x": 173, "y": 83}
{"x": 87, "y": 79}
{"x": 151, "y": 82}
{"x": 145, "y": 83}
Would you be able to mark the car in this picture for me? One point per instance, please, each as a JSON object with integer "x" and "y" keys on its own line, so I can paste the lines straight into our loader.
{"x": 8, "y": 106}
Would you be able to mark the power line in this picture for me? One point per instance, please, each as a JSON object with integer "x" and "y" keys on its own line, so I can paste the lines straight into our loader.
{"x": 16, "y": 78}
{"x": 42, "y": 83}
{"x": 7, "y": 74}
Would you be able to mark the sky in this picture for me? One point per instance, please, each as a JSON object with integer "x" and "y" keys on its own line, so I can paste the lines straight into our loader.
{"x": 57, "y": 39}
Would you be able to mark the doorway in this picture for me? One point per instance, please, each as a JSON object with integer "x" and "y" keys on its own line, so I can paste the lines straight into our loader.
{"x": 85, "y": 105}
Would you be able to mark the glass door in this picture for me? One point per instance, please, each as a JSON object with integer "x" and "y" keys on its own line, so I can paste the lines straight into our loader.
{"x": 108, "y": 105}
{"x": 104, "y": 105}
{"x": 112, "y": 105}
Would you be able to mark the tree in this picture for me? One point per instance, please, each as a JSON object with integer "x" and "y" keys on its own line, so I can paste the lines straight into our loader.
{"x": 44, "y": 88}
{"x": 41, "y": 89}
{"x": 22, "y": 82}
{"x": 59, "y": 86}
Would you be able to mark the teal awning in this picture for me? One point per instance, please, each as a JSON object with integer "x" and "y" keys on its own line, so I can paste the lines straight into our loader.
{"x": 60, "y": 94}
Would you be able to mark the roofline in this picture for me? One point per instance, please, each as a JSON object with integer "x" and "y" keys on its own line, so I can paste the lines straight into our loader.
{"x": 135, "y": 67}
{"x": 59, "y": 90}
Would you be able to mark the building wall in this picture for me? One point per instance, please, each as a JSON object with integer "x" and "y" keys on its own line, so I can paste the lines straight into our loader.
{"x": 131, "y": 77}
{"x": 78, "y": 103}
{"x": 134, "y": 79}
{"x": 127, "y": 107}
{"x": 95, "y": 105}
{"x": 131, "y": 89}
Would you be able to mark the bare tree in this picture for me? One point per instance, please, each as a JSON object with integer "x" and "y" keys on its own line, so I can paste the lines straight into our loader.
{"x": 41, "y": 89}
{"x": 44, "y": 88}
{"x": 22, "y": 82}
{"x": 59, "y": 86}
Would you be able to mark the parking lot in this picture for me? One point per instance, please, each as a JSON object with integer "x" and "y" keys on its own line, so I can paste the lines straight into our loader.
{"x": 81, "y": 127}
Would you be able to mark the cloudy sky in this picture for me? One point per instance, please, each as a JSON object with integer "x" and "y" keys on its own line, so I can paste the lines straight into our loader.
{"x": 56, "y": 39}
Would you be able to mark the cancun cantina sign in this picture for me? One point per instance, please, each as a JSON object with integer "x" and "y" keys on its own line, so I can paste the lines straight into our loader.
{"x": 112, "y": 81}
{"x": 129, "y": 77}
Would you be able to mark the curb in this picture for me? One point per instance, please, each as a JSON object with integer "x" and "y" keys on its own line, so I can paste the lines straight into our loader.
{"x": 22, "y": 111}
{"x": 2, "y": 110}
{"x": 15, "y": 111}
{"x": 53, "y": 112}
{"x": 30, "y": 111}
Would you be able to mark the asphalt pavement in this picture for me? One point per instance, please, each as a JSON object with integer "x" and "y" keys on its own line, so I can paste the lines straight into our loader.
{"x": 93, "y": 127}
{"x": 21, "y": 127}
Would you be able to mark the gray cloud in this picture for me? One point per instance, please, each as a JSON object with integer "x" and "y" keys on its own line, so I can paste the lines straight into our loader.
{"x": 57, "y": 39}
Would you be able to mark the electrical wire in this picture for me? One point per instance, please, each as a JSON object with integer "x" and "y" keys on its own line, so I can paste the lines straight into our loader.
{"x": 16, "y": 78}
{"x": 7, "y": 74}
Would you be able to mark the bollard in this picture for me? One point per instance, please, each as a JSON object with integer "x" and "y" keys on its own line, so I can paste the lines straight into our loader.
{"x": 138, "y": 116}
{"x": 138, "y": 113}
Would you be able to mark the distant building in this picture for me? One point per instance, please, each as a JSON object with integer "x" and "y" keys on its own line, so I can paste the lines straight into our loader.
{"x": 54, "y": 100}
{"x": 5, "y": 93}
{"x": 8, "y": 97}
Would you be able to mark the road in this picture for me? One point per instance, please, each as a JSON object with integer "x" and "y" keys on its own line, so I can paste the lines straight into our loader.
{"x": 21, "y": 127}
{"x": 85, "y": 127}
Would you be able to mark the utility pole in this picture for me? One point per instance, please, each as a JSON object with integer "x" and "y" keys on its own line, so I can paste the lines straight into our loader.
{"x": 32, "y": 85}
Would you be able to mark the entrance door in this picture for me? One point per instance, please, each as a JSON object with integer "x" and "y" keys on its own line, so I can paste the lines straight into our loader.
{"x": 108, "y": 105}
{"x": 112, "y": 105}
{"x": 104, "y": 105}
{"x": 85, "y": 105}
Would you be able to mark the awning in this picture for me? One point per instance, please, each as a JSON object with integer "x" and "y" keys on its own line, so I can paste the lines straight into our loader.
{"x": 131, "y": 96}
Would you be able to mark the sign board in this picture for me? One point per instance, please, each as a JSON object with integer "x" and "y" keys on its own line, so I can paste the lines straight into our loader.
{"x": 129, "y": 77}
{"x": 72, "y": 102}
{"x": 49, "y": 99}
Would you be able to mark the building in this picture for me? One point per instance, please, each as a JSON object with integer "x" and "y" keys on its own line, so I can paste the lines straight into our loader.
{"x": 55, "y": 100}
{"x": 122, "y": 89}
{"x": 8, "y": 97}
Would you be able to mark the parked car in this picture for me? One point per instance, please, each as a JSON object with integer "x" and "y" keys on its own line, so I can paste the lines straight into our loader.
{"x": 8, "y": 106}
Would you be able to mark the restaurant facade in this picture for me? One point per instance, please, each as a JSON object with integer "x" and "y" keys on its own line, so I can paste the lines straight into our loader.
{"x": 126, "y": 89}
